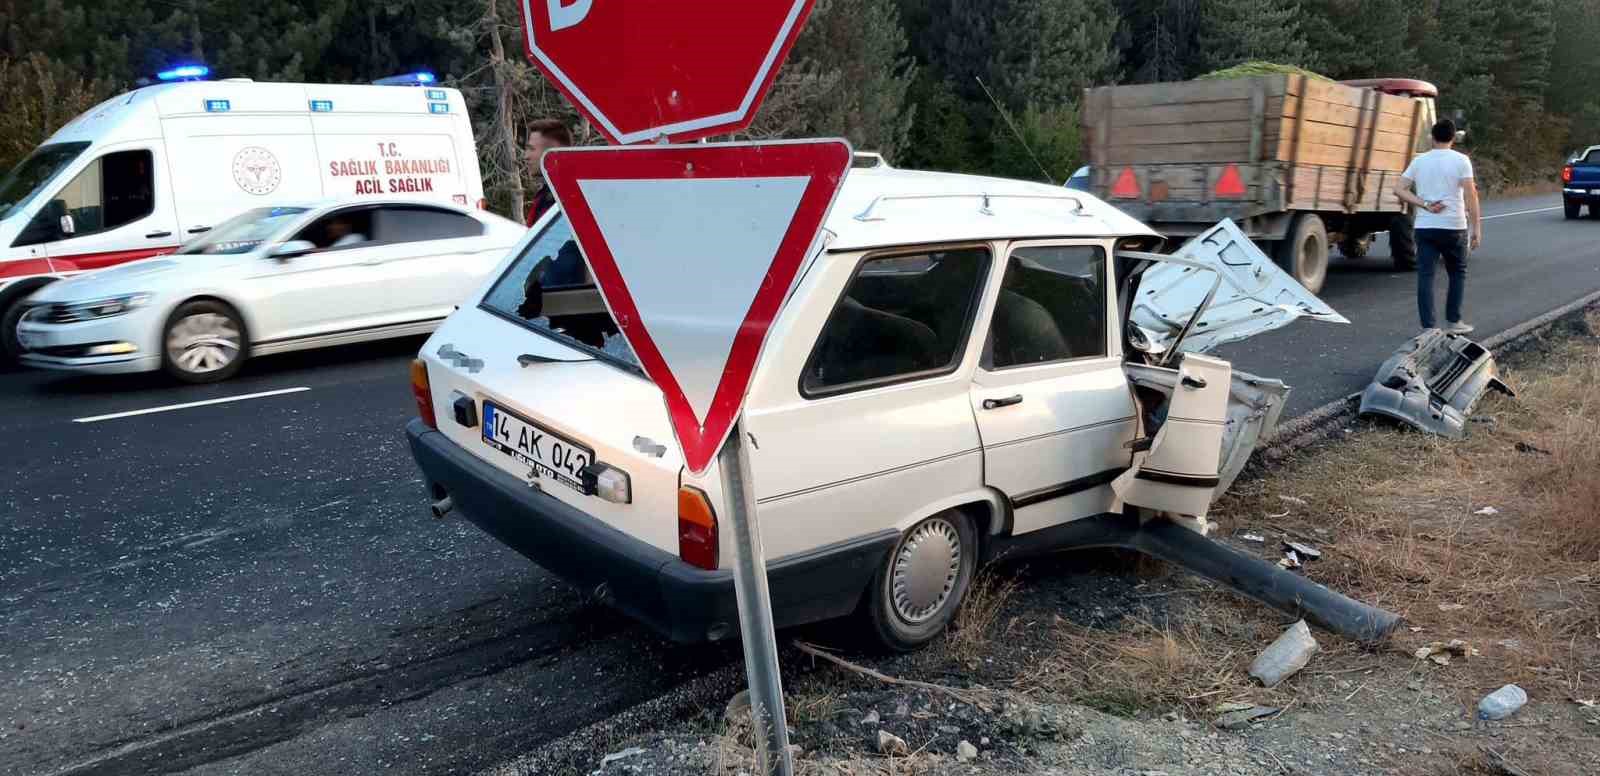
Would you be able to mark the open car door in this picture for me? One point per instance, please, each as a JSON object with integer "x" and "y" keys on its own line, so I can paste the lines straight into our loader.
{"x": 1201, "y": 418}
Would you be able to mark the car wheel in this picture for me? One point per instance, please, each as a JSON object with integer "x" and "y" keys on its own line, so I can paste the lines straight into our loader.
{"x": 204, "y": 342}
{"x": 1571, "y": 209}
{"x": 1305, "y": 253}
{"x": 10, "y": 348}
{"x": 917, "y": 590}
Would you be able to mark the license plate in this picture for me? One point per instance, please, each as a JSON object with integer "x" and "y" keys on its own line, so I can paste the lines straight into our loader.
{"x": 548, "y": 455}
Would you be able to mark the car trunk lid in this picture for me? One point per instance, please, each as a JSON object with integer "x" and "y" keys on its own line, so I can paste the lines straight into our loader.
{"x": 551, "y": 405}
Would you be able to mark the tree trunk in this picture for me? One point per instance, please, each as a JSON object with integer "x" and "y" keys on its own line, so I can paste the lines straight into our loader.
{"x": 505, "y": 138}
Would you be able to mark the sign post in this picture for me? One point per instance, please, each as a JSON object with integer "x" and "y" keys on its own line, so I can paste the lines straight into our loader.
{"x": 755, "y": 608}
{"x": 694, "y": 249}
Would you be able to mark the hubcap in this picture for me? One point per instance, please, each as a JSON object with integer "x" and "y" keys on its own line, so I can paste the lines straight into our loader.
{"x": 925, "y": 570}
{"x": 203, "y": 342}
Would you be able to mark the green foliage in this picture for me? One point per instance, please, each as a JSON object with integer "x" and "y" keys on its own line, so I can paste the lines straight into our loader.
{"x": 1248, "y": 69}
{"x": 1049, "y": 139}
{"x": 1235, "y": 31}
{"x": 897, "y": 76}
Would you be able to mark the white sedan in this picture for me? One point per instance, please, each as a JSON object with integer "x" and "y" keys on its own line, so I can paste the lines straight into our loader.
{"x": 271, "y": 280}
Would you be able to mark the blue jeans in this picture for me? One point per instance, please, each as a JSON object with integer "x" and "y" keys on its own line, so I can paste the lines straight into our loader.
{"x": 1451, "y": 245}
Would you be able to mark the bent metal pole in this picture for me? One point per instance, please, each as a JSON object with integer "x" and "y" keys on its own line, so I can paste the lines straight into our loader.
{"x": 755, "y": 608}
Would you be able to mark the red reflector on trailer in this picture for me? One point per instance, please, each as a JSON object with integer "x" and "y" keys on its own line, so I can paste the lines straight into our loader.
{"x": 1230, "y": 183}
{"x": 1127, "y": 185}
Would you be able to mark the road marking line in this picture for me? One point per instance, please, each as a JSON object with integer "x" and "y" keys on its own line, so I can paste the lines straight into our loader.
{"x": 1522, "y": 213}
{"x": 187, "y": 405}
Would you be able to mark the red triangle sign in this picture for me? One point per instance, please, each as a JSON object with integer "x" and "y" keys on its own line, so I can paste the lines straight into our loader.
{"x": 694, "y": 248}
{"x": 1230, "y": 184}
{"x": 1127, "y": 185}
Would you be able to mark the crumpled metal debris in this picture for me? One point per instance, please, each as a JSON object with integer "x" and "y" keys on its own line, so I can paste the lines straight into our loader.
{"x": 1433, "y": 382}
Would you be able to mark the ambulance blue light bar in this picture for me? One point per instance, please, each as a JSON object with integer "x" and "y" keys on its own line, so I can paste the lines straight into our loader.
{"x": 409, "y": 79}
{"x": 184, "y": 73}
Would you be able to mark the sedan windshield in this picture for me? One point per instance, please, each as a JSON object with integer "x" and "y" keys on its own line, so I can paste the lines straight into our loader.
{"x": 27, "y": 179}
{"x": 243, "y": 232}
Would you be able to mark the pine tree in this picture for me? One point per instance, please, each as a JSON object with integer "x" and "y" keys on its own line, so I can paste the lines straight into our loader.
{"x": 1235, "y": 31}
{"x": 1360, "y": 38}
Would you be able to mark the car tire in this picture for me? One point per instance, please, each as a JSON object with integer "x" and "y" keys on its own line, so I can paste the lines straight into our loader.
{"x": 921, "y": 584}
{"x": 10, "y": 348}
{"x": 204, "y": 341}
{"x": 1403, "y": 242}
{"x": 1571, "y": 209}
{"x": 1304, "y": 254}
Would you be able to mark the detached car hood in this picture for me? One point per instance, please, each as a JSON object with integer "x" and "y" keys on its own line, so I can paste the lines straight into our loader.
{"x": 1253, "y": 295}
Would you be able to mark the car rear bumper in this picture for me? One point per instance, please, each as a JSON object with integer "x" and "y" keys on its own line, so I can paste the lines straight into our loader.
{"x": 683, "y": 603}
{"x": 1587, "y": 195}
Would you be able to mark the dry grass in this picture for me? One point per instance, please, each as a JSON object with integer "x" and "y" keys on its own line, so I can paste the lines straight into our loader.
{"x": 1195, "y": 664}
{"x": 970, "y": 638}
{"x": 1399, "y": 516}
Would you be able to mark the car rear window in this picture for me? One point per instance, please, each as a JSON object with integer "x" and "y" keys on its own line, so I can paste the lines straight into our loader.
{"x": 547, "y": 289}
{"x": 1593, "y": 157}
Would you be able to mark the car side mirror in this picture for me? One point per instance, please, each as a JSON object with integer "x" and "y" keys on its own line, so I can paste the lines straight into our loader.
{"x": 292, "y": 249}
{"x": 68, "y": 227}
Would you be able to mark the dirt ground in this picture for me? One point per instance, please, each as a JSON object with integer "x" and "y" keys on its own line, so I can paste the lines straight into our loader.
{"x": 1099, "y": 663}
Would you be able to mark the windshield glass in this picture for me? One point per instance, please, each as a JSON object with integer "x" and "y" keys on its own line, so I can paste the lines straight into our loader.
{"x": 243, "y": 232}
{"x": 547, "y": 289}
{"x": 27, "y": 179}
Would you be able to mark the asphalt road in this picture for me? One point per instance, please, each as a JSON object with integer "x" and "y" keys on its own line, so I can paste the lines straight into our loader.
{"x": 255, "y": 586}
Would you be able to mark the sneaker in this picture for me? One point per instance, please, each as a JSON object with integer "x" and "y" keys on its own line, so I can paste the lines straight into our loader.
{"x": 1460, "y": 327}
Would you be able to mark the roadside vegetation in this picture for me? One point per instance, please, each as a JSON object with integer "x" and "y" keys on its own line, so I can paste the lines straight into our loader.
{"x": 895, "y": 76}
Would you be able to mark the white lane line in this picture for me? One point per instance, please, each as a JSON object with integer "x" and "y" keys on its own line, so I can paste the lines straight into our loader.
{"x": 1522, "y": 212}
{"x": 187, "y": 405}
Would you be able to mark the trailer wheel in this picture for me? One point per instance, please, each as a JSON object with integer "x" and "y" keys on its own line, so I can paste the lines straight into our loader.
{"x": 1403, "y": 242}
{"x": 1305, "y": 253}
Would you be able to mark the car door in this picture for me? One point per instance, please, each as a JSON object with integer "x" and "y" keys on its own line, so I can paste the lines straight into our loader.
{"x": 1054, "y": 410}
{"x": 334, "y": 289}
{"x": 860, "y": 410}
{"x": 109, "y": 213}
{"x": 435, "y": 258}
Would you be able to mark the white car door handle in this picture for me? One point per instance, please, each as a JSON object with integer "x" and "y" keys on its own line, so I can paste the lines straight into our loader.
{"x": 994, "y": 404}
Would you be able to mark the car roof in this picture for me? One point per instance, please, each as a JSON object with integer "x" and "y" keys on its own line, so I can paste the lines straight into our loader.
{"x": 879, "y": 207}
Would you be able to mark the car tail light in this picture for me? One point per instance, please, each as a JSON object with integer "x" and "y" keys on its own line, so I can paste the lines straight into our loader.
{"x": 423, "y": 393}
{"x": 1566, "y": 174}
{"x": 483, "y": 204}
{"x": 697, "y": 529}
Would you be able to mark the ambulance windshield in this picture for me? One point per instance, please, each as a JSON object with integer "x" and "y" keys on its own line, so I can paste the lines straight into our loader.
{"x": 27, "y": 179}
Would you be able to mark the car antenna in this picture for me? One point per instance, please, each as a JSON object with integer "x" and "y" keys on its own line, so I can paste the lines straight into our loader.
{"x": 1020, "y": 139}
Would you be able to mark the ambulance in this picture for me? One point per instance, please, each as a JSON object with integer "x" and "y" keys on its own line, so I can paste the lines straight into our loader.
{"x": 141, "y": 173}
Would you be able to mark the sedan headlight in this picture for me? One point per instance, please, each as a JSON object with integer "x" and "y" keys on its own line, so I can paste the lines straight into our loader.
{"x": 72, "y": 312}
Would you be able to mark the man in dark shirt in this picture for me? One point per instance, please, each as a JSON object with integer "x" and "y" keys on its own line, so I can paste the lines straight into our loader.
{"x": 543, "y": 135}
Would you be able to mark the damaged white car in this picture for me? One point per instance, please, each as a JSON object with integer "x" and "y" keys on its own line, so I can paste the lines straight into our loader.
{"x": 967, "y": 368}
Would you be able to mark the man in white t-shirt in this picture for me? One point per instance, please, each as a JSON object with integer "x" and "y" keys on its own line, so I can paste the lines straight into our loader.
{"x": 1439, "y": 184}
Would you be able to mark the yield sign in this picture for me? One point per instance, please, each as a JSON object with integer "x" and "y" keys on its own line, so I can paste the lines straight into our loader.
{"x": 694, "y": 249}
{"x": 643, "y": 69}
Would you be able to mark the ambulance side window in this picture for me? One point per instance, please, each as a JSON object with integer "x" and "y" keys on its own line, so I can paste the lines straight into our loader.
{"x": 114, "y": 190}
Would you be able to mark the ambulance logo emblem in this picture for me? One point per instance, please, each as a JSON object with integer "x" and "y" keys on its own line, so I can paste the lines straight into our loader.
{"x": 257, "y": 171}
